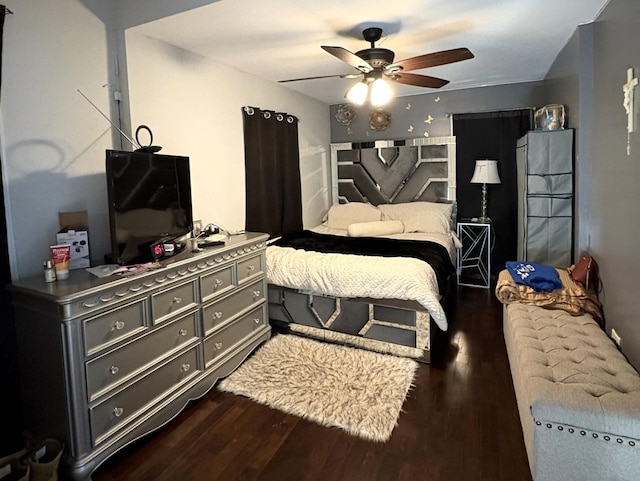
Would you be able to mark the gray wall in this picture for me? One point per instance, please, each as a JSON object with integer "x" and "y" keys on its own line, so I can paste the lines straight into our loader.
{"x": 614, "y": 229}
{"x": 587, "y": 77}
{"x": 408, "y": 114}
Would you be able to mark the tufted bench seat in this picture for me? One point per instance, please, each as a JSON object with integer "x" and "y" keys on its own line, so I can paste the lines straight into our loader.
{"x": 578, "y": 397}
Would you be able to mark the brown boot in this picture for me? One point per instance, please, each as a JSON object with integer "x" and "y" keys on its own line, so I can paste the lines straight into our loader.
{"x": 44, "y": 461}
{"x": 15, "y": 470}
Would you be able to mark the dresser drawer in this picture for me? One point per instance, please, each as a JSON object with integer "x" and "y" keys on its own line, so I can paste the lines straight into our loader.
{"x": 109, "y": 370}
{"x": 105, "y": 330}
{"x": 251, "y": 267}
{"x": 219, "y": 312}
{"x": 216, "y": 283}
{"x": 123, "y": 407}
{"x": 223, "y": 340}
{"x": 165, "y": 304}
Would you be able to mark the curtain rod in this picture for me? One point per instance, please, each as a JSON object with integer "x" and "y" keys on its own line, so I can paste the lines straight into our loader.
{"x": 449, "y": 114}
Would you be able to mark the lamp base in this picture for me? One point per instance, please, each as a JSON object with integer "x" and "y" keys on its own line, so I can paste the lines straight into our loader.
{"x": 484, "y": 220}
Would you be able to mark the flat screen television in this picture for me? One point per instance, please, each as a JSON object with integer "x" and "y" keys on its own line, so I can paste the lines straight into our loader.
{"x": 149, "y": 199}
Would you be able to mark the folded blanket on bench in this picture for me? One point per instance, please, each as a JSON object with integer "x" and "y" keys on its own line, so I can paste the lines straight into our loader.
{"x": 571, "y": 297}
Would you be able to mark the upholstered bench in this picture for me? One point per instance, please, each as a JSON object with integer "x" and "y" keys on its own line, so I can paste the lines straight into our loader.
{"x": 578, "y": 397}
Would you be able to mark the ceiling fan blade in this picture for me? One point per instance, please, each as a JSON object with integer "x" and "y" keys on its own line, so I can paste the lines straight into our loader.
{"x": 349, "y": 57}
{"x": 431, "y": 59}
{"x": 349, "y": 75}
{"x": 419, "y": 80}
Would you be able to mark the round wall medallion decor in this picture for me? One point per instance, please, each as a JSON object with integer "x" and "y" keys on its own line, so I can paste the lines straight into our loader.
{"x": 379, "y": 119}
{"x": 346, "y": 114}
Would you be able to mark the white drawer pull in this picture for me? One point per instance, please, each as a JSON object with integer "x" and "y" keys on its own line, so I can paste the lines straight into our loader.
{"x": 185, "y": 367}
{"x": 257, "y": 320}
{"x": 177, "y": 300}
{"x": 183, "y": 332}
{"x": 118, "y": 326}
{"x": 114, "y": 370}
{"x": 117, "y": 412}
{"x": 217, "y": 345}
{"x": 217, "y": 283}
{"x": 256, "y": 293}
{"x": 217, "y": 315}
{"x": 251, "y": 268}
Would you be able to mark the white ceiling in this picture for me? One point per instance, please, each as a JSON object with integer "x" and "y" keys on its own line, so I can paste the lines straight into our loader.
{"x": 512, "y": 40}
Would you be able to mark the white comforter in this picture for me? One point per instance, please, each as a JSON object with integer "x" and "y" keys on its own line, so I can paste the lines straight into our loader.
{"x": 348, "y": 275}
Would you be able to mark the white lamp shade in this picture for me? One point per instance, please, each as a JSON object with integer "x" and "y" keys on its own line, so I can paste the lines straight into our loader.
{"x": 358, "y": 93}
{"x": 380, "y": 92}
{"x": 486, "y": 172}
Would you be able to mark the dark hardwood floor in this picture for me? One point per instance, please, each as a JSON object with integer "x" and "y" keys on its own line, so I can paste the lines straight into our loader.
{"x": 459, "y": 422}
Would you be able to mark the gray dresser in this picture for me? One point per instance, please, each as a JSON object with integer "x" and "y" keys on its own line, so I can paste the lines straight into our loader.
{"x": 105, "y": 361}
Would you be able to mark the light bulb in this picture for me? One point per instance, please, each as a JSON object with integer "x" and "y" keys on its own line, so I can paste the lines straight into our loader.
{"x": 380, "y": 92}
{"x": 358, "y": 93}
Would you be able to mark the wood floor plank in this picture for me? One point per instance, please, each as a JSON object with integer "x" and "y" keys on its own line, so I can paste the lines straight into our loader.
{"x": 459, "y": 422}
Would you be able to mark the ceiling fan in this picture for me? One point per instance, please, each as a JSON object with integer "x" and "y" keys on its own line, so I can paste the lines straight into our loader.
{"x": 377, "y": 63}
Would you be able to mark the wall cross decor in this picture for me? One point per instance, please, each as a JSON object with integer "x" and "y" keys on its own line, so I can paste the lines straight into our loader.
{"x": 628, "y": 89}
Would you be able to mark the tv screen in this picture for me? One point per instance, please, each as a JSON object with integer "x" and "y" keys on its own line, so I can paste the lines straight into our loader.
{"x": 149, "y": 202}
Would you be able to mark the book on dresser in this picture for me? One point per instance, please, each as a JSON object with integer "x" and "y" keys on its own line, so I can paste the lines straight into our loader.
{"x": 104, "y": 361}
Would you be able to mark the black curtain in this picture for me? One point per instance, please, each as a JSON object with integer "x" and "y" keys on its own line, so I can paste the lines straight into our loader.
{"x": 11, "y": 418}
{"x": 491, "y": 135}
{"x": 272, "y": 172}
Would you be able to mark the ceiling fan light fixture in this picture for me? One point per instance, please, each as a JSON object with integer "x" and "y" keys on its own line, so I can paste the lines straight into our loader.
{"x": 380, "y": 92}
{"x": 357, "y": 94}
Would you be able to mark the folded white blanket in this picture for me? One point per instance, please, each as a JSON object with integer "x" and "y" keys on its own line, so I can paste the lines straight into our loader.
{"x": 348, "y": 275}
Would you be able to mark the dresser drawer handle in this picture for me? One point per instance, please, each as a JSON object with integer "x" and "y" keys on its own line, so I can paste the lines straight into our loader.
{"x": 217, "y": 345}
{"x": 185, "y": 367}
{"x": 117, "y": 412}
{"x": 251, "y": 268}
{"x": 256, "y": 293}
{"x": 217, "y": 315}
{"x": 257, "y": 320}
{"x": 183, "y": 332}
{"x": 217, "y": 283}
{"x": 114, "y": 370}
{"x": 118, "y": 326}
{"x": 177, "y": 300}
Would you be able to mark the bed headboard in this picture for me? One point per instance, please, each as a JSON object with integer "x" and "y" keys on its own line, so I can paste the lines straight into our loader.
{"x": 384, "y": 172}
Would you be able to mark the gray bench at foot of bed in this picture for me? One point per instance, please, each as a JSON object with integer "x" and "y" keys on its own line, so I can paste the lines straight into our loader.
{"x": 578, "y": 397}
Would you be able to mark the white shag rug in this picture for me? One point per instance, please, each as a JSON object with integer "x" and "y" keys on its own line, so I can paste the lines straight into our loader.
{"x": 359, "y": 391}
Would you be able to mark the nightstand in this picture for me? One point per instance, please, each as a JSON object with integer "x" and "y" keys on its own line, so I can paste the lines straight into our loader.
{"x": 473, "y": 266}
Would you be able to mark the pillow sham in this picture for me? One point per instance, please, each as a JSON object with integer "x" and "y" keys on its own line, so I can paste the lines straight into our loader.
{"x": 420, "y": 216}
{"x": 378, "y": 228}
{"x": 341, "y": 216}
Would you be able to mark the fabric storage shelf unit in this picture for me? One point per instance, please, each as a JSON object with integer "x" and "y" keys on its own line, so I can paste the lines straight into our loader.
{"x": 544, "y": 162}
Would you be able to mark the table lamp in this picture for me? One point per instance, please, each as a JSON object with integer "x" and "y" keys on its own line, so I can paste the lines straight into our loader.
{"x": 486, "y": 172}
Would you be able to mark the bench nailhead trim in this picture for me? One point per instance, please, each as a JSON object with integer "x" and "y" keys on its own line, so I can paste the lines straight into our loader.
{"x": 582, "y": 432}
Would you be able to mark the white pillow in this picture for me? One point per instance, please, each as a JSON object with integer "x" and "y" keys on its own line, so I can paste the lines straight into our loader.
{"x": 420, "y": 216}
{"x": 341, "y": 216}
{"x": 372, "y": 229}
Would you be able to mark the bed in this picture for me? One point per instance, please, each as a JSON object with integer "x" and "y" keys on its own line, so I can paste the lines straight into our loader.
{"x": 370, "y": 276}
